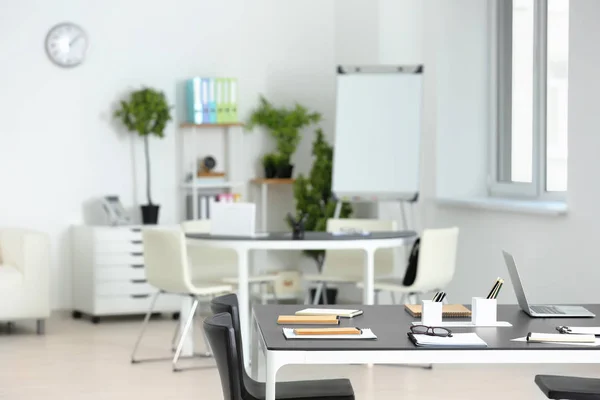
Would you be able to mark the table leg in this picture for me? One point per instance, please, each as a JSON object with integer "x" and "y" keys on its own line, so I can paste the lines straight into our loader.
{"x": 271, "y": 379}
{"x": 244, "y": 300}
{"x": 255, "y": 350}
{"x": 369, "y": 277}
{"x": 188, "y": 342}
{"x": 264, "y": 198}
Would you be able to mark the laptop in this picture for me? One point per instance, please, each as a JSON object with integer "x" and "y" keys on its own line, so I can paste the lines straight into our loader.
{"x": 540, "y": 311}
{"x": 234, "y": 219}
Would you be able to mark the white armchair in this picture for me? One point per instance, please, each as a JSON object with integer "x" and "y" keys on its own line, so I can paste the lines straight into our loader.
{"x": 24, "y": 276}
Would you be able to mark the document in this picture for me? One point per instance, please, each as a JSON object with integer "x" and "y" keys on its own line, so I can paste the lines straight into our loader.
{"x": 456, "y": 340}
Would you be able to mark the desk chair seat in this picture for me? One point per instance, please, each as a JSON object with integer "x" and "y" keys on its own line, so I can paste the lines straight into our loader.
{"x": 568, "y": 388}
{"x": 326, "y": 389}
{"x": 210, "y": 288}
{"x": 238, "y": 386}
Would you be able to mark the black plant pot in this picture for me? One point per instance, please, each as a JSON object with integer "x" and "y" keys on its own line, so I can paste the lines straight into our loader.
{"x": 285, "y": 171}
{"x": 330, "y": 293}
{"x": 270, "y": 172}
{"x": 150, "y": 214}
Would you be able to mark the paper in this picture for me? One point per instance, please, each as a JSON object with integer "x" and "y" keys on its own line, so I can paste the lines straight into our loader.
{"x": 558, "y": 337}
{"x": 456, "y": 340}
{"x": 366, "y": 334}
{"x": 330, "y": 311}
{"x": 468, "y": 324}
{"x": 597, "y": 343}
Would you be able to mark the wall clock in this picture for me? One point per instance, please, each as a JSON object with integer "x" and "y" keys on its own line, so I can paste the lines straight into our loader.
{"x": 66, "y": 44}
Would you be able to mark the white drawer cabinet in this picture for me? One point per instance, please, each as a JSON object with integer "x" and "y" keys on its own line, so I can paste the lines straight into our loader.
{"x": 108, "y": 273}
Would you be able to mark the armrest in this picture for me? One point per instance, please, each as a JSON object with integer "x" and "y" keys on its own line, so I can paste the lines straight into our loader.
{"x": 26, "y": 250}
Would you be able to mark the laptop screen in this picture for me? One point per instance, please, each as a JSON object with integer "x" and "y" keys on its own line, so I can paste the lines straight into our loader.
{"x": 516, "y": 280}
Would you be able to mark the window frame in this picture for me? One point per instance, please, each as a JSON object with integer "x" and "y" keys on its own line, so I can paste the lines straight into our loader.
{"x": 500, "y": 99}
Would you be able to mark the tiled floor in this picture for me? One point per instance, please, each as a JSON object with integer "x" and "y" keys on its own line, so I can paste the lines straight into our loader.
{"x": 78, "y": 360}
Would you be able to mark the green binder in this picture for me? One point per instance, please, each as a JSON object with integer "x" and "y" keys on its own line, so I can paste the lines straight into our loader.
{"x": 221, "y": 101}
{"x": 232, "y": 98}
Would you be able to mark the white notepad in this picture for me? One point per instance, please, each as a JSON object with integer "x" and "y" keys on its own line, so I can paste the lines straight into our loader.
{"x": 456, "y": 340}
{"x": 595, "y": 344}
{"x": 584, "y": 330}
{"x": 366, "y": 334}
{"x": 330, "y": 311}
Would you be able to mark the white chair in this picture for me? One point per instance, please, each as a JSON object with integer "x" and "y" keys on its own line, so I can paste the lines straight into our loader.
{"x": 216, "y": 264}
{"x": 166, "y": 265}
{"x": 347, "y": 266}
{"x": 24, "y": 276}
{"x": 435, "y": 266}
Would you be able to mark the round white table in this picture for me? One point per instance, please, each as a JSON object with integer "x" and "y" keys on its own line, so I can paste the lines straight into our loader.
{"x": 284, "y": 241}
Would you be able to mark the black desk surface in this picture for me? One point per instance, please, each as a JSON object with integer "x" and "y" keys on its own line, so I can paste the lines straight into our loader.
{"x": 390, "y": 323}
{"x": 318, "y": 236}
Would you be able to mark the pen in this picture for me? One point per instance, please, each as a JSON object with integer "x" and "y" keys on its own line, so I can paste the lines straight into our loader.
{"x": 443, "y": 297}
{"x": 435, "y": 296}
{"x": 489, "y": 296}
{"x": 498, "y": 289}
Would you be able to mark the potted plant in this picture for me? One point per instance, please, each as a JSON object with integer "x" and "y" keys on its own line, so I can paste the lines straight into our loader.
{"x": 147, "y": 113}
{"x": 315, "y": 201}
{"x": 269, "y": 162}
{"x": 284, "y": 124}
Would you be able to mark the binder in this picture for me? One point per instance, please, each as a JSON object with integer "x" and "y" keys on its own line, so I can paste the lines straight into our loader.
{"x": 205, "y": 101}
{"x": 220, "y": 100}
{"x": 211, "y": 202}
{"x": 448, "y": 310}
{"x": 193, "y": 101}
{"x": 203, "y": 207}
{"x": 212, "y": 101}
{"x": 232, "y": 100}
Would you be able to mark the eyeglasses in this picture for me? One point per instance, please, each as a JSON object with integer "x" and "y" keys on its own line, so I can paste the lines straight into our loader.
{"x": 430, "y": 331}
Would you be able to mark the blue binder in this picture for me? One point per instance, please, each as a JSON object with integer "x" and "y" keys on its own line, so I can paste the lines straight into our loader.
{"x": 212, "y": 101}
{"x": 194, "y": 101}
{"x": 205, "y": 101}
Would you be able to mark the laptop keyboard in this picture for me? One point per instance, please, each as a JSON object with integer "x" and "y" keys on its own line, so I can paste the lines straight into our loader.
{"x": 546, "y": 310}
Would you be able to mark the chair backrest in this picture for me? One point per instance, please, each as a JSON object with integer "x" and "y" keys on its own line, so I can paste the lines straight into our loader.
{"x": 228, "y": 303}
{"x": 207, "y": 262}
{"x": 437, "y": 259}
{"x": 221, "y": 336}
{"x": 350, "y": 263}
{"x": 165, "y": 260}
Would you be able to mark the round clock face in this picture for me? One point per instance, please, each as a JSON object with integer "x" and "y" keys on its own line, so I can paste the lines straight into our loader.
{"x": 66, "y": 45}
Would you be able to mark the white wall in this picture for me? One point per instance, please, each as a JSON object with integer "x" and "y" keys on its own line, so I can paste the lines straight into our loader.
{"x": 60, "y": 149}
{"x": 557, "y": 256}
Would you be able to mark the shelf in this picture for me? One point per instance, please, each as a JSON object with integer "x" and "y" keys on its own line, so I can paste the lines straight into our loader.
{"x": 210, "y": 185}
{"x": 226, "y": 125}
{"x": 273, "y": 181}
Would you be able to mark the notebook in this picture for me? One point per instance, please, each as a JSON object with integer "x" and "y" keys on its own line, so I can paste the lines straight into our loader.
{"x": 308, "y": 319}
{"x": 456, "y": 340}
{"x": 330, "y": 311}
{"x": 366, "y": 334}
{"x": 533, "y": 337}
{"x": 448, "y": 310}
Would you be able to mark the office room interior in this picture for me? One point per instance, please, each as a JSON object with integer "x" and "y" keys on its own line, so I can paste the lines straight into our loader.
{"x": 157, "y": 156}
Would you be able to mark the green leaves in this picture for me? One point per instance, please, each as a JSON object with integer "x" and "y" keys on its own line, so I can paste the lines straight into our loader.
{"x": 284, "y": 124}
{"x": 313, "y": 193}
{"x": 147, "y": 112}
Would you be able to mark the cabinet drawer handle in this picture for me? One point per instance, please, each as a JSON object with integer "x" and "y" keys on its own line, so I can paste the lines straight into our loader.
{"x": 140, "y": 296}
{"x": 137, "y": 265}
{"x": 138, "y": 281}
{"x": 137, "y": 254}
{"x": 136, "y": 242}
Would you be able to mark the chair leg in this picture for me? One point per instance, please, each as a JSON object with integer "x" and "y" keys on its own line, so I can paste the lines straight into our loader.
{"x": 144, "y": 326}
{"x": 184, "y": 333}
{"x": 393, "y": 294}
{"x": 377, "y": 292}
{"x": 403, "y": 299}
{"x": 175, "y": 335}
{"x": 324, "y": 293}
{"x": 307, "y": 296}
{"x": 318, "y": 292}
{"x": 40, "y": 326}
{"x": 274, "y": 292}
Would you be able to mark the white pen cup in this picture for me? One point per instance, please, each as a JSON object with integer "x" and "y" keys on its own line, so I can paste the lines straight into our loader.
{"x": 483, "y": 311}
{"x": 431, "y": 313}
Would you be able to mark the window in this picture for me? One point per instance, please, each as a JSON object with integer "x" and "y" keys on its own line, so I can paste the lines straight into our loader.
{"x": 530, "y": 51}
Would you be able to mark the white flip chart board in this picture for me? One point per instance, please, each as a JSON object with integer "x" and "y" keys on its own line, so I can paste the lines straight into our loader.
{"x": 378, "y": 132}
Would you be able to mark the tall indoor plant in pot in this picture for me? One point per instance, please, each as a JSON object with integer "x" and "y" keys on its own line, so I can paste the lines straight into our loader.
{"x": 284, "y": 124}
{"x": 315, "y": 200}
{"x": 147, "y": 113}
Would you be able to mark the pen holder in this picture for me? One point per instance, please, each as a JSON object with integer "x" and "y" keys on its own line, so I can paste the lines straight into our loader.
{"x": 431, "y": 313}
{"x": 483, "y": 311}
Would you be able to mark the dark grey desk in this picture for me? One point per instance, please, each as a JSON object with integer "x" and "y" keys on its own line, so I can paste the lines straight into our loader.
{"x": 391, "y": 323}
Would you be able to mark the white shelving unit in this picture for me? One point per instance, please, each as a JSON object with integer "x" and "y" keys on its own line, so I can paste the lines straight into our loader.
{"x": 194, "y": 187}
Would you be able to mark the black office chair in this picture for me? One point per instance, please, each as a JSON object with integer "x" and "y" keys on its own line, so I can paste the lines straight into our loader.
{"x": 569, "y": 388}
{"x": 233, "y": 373}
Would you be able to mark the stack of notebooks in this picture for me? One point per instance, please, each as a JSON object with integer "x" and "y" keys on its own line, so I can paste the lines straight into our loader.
{"x": 319, "y": 316}
{"x": 211, "y": 100}
{"x": 448, "y": 310}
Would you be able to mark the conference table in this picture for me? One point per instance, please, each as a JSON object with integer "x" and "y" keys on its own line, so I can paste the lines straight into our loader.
{"x": 390, "y": 323}
{"x": 243, "y": 245}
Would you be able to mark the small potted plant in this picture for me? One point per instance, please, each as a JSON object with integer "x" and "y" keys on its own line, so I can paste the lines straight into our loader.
{"x": 269, "y": 162}
{"x": 284, "y": 124}
{"x": 147, "y": 113}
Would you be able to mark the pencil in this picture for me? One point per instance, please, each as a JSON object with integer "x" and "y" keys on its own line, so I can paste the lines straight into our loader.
{"x": 489, "y": 296}
{"x": 498, "y": 289}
